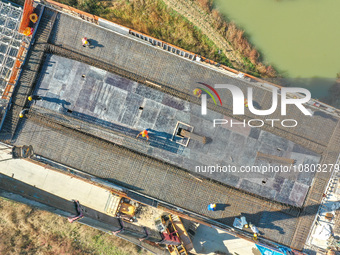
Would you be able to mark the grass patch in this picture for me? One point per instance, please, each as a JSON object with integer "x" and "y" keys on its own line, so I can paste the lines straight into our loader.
{"x": 154, "y": 18}
{"x": 24, "y": 230}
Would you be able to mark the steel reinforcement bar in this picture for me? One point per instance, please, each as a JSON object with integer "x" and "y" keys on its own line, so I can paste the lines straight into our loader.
{"x": 65, "y": 126}
{"x": 233, "y": 193}
{"x": 165, "y": 206}
{"x": 184, "y": 94}
{"x": 28, "y": 75}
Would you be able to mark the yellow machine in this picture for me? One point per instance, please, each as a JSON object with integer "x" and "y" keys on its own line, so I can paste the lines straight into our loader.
{"x": 122, "y": 207}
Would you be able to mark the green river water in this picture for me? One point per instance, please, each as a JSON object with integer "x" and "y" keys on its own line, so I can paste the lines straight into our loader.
{"x": 300, "y": 38}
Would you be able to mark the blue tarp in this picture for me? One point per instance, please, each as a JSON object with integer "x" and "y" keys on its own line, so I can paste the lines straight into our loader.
{"x": 266, "y": 251}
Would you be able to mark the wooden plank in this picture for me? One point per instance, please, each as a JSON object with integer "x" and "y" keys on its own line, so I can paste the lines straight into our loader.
{"x": 275, "y": 158}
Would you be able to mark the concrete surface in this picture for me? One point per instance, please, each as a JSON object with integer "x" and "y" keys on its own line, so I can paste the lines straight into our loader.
{"x": 53, "y": 182}
{"x": 88, "y": 93}
{"x": 209, "y": 241}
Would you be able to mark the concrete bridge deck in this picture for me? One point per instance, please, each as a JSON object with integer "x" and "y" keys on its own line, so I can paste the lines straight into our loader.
{"x": 75, "y": 90}
{"x": 182, "y": 74}
{"x": 74, "y": 146}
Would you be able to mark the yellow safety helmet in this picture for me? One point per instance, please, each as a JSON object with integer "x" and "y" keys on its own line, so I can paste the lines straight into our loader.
{"x": 21, "y": 115}
{"x": 34, "y": 17}
{"x": 197, "y": 92}
{"x": 30, "y": 98}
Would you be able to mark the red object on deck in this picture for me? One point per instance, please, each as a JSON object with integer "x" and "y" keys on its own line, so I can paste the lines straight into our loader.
{"x": 170, "y": 239}
{"x": 25, "y": 20}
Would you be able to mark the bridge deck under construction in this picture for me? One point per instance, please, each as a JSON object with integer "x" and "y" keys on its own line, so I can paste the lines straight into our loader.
{"x": 73, "y": 90}
{"x": 83, "y": 144}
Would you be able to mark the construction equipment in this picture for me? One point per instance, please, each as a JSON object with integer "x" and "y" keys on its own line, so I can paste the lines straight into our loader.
{"x": 122, "y": 207}
{"x": 175, "y": 227}
{"x": 22, "y": 151}
{"x": 333, "y": 242}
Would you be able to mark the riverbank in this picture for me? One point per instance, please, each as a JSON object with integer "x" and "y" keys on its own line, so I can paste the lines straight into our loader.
{"x": 303, "y": 48}
{"x": 333, "y": 97}
{"x": 191, "y": 25}
{"x": 226, "y": 35}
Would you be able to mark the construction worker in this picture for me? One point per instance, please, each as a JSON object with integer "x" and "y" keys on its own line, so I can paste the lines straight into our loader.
{"x": 23, "y": 112}
{"x": 144, "y": 133}
{"x": 254, "y": 229}
{"x": 85, "y": 42}
{"x": 246, "y": 103}
{"x": 212, "y": 207}
{"x": 197, "y": 92}
{"x": 34, "y": 97}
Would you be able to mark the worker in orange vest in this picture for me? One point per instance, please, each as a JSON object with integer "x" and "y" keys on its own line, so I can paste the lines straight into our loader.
{"x": 246, "y": 103}
{"x": 144, "y": 133}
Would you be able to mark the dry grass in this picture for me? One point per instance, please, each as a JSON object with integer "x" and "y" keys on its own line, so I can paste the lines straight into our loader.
{"x": 24, "y": 230}
{"x": 205, "y": 4}
{"x": 333, "y": 97}
{"x": 154, "y": 18}
{"x": 238, "y": 40}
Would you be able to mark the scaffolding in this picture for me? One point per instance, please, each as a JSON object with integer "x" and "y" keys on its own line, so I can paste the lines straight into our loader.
{"x": 12, "y": 43}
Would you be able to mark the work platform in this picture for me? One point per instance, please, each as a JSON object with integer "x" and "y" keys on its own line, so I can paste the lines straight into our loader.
{"x": 97, "y": 99}
{"x": 72, "y": 89}
{"x": 11, "y": 44}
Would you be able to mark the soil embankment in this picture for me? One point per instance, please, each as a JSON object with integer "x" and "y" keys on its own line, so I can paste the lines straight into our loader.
{"x": 25, "y": 230}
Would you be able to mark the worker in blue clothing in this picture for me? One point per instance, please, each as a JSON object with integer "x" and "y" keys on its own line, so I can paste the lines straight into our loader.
{"x": 212, "y": 207}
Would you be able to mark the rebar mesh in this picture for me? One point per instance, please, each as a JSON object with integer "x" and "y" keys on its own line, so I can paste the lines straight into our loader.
{"x": 10, "y": 39}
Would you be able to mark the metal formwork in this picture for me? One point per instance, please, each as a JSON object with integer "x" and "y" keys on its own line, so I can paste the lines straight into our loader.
{"x": 10, "y": 39}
